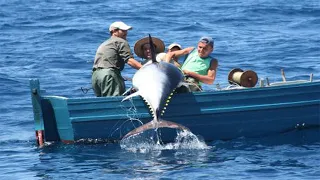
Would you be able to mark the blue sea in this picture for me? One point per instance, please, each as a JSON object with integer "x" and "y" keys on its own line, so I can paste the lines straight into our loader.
{"x": 56, "y": 40}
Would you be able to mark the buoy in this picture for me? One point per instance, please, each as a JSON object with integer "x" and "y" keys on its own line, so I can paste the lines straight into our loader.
{"x": 243, "y": 78}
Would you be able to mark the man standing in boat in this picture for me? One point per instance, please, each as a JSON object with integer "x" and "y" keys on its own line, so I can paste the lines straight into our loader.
{"x": 199, "y": 67}
{"x": 109, "y": 61}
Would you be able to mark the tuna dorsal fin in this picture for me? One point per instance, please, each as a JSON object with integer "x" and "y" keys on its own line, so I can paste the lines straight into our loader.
{"x": 153, "y": 51}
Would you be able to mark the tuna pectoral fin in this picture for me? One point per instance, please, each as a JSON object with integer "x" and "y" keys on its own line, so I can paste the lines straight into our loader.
{"x": 131, "y": 95}
{"x": 154, "y": 125}
{"x": 128, "y": 92}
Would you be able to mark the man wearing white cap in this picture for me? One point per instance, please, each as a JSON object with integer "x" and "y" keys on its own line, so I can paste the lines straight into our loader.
{"x": 109, "y": 61}
{"x": 199, "y": 67}
{"x": 174, "y": 59}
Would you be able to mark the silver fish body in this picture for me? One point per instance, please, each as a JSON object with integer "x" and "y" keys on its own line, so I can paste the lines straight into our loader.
{"x": 155, "y": 82}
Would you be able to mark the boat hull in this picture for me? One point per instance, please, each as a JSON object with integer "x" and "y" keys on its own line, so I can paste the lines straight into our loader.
{"x": 218, "y": 115}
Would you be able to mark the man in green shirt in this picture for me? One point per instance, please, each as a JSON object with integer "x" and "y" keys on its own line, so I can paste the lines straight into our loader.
{"x": 199, "y": 67}
{"x": 109, "y": 61}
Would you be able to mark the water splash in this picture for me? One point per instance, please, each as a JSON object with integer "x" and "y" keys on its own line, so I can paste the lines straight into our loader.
{"x": 149, "y": 141}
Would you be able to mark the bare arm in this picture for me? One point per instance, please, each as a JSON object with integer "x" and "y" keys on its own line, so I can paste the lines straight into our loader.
{"x": 178, "y": 53}
{"x": 134, "y": 63}
{"x": 207, "y": 79}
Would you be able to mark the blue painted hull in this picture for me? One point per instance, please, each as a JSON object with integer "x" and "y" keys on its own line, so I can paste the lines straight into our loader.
{"x": 228, "y": 114}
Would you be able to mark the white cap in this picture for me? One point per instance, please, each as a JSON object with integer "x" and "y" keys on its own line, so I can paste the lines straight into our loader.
{"x": 174, "y": 45}
{"x": 119, "y": 25}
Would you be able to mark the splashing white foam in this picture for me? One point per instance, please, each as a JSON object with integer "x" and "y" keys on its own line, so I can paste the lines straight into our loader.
{"x": 149, "y": 141}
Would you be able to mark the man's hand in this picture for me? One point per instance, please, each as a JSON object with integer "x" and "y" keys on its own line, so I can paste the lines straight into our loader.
{"x": 186, "y": 72}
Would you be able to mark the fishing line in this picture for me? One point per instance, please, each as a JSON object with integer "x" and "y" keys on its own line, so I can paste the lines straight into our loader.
{"x": 131, "y": 114}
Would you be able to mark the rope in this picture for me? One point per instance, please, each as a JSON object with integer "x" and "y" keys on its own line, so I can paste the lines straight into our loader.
{"x": 85, "y": 89}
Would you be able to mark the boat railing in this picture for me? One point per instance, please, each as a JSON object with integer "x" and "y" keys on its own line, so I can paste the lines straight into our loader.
{"x": 285, "y": 81}
{"x": 234, "y": 82}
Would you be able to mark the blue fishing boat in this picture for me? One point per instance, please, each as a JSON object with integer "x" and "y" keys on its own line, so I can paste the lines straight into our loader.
{"x": 226, "y": 113}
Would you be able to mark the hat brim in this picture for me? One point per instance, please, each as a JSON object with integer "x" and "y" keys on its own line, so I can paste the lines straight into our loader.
{"x": 159, "y": 45}
{"x": 126, "y": 28}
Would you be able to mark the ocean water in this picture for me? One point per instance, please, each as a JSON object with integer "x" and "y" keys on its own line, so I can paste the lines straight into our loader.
{"x": 55, "y": 41}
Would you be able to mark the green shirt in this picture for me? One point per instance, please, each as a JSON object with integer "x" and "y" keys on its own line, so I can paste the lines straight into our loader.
{"x": 197, "y": 64}
{"x": 113, "y": 53}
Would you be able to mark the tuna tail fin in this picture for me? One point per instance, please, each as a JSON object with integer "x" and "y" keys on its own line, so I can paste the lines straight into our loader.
{"x": 155, "y": 125}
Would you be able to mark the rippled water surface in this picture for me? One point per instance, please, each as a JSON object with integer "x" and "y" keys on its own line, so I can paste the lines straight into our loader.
{"x": 56, "y": 41}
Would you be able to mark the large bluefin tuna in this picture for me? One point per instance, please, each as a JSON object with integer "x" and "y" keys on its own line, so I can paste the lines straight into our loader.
{"x": 155, "y": 82}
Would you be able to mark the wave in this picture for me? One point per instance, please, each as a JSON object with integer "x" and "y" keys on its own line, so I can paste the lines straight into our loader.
{"x": 71, "y": 32}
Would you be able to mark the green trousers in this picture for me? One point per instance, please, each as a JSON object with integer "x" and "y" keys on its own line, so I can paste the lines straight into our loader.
{"x": 107, "y": 82}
